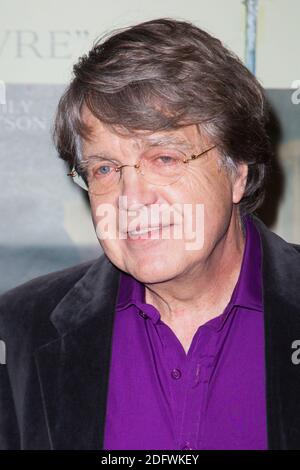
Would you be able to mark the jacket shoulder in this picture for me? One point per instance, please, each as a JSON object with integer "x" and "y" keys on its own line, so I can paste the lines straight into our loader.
{"x": 273, "y": 239}
{"x": 33, "y": 301}
{"x": 296, "y": 246}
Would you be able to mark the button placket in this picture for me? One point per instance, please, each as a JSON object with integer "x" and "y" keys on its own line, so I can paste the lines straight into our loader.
{"x": 176, "y": 369}
{"x": 187, "y": 446}
{"x": 192, "y": 411}
{"x": 199, "y": 374}
{"x": 203, "y": 370}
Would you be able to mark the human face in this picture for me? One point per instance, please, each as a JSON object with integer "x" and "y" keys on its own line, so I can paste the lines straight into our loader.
{"x": 159, "y": 256}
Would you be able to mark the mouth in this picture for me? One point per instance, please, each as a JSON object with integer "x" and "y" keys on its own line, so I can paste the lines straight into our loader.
{"x": 144, "y": 233}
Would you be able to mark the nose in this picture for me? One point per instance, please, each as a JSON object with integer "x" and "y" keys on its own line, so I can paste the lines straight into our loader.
{"x": 137, "y": 190}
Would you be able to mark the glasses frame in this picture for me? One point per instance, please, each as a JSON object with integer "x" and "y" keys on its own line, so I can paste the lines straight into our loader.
{"x": 79, "y": 180}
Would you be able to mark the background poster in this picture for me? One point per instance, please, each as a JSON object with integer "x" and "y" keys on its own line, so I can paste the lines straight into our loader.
{"x": 45, "y": 221}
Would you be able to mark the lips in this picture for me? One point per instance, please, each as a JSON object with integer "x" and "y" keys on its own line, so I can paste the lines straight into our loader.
{"x": 143, "y": 230}
{"x": 139, "y": 231}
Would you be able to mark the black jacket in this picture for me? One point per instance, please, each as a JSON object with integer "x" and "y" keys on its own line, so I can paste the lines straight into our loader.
{"x": 58, "y": 328}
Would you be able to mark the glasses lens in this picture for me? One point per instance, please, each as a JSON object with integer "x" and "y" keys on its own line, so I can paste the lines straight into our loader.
{"x": 102, "y": 178}
{"x": 163, "y": 169}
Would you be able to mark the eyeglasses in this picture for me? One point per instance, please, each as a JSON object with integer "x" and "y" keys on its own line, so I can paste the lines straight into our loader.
{"x": 99, "y": 176}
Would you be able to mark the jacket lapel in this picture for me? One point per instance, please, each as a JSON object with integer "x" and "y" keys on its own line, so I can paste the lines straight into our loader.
{"x": 73, "y": 369}
{"x": 281, "y": 291}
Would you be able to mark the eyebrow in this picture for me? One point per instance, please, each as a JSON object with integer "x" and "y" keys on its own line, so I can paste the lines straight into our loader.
{"x": 146, "y": 142}
{"x": 167, "y": 140}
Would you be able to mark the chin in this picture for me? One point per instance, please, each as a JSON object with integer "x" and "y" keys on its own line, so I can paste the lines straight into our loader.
{"x": 153, "y": 271}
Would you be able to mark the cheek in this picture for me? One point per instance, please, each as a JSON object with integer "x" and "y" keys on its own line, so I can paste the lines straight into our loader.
{"x": 93, "y": 206}
{"x": 213, "y": 191}
{"x": 104, "y": 217}
{"x": 212, "y": 187}
{"x": 218, "y": 199}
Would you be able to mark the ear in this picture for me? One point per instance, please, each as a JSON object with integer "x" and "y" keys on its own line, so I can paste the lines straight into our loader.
{"x": 239, "y": 183}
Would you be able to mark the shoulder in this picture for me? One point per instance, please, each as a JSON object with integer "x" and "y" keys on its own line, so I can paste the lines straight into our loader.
{"x": 295, "y": 246}
{"x": 281, "y": 273}
{"x": 31, "y": 303}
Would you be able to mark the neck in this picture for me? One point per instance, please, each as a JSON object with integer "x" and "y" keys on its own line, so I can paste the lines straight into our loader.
{"x": 208, "y": 285}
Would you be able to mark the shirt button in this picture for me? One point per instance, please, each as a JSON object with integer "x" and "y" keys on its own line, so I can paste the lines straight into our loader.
{"x": 176, "y": 374}
{"x": 143, "y": 315}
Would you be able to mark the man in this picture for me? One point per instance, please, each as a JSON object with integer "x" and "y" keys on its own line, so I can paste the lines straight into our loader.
{"x": 185, "y": 333}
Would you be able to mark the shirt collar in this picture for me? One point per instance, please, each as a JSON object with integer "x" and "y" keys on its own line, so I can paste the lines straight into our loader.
{"x": 132, "y": 293}
{"x": 248, "y": 289}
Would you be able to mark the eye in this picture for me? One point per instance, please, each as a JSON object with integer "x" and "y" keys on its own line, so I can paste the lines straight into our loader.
{"x": 103, "y": 170}
{"x": 167, "y": 160}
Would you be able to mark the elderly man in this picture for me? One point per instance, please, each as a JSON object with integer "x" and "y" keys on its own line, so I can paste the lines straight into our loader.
{"x": 185, "y": 333}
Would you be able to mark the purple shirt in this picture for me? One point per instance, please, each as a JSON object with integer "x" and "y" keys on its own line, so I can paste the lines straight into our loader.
{"x": 213, "y": 397}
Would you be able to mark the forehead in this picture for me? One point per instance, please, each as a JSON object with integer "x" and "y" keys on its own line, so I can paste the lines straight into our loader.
{"x": 101, "y": 134}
